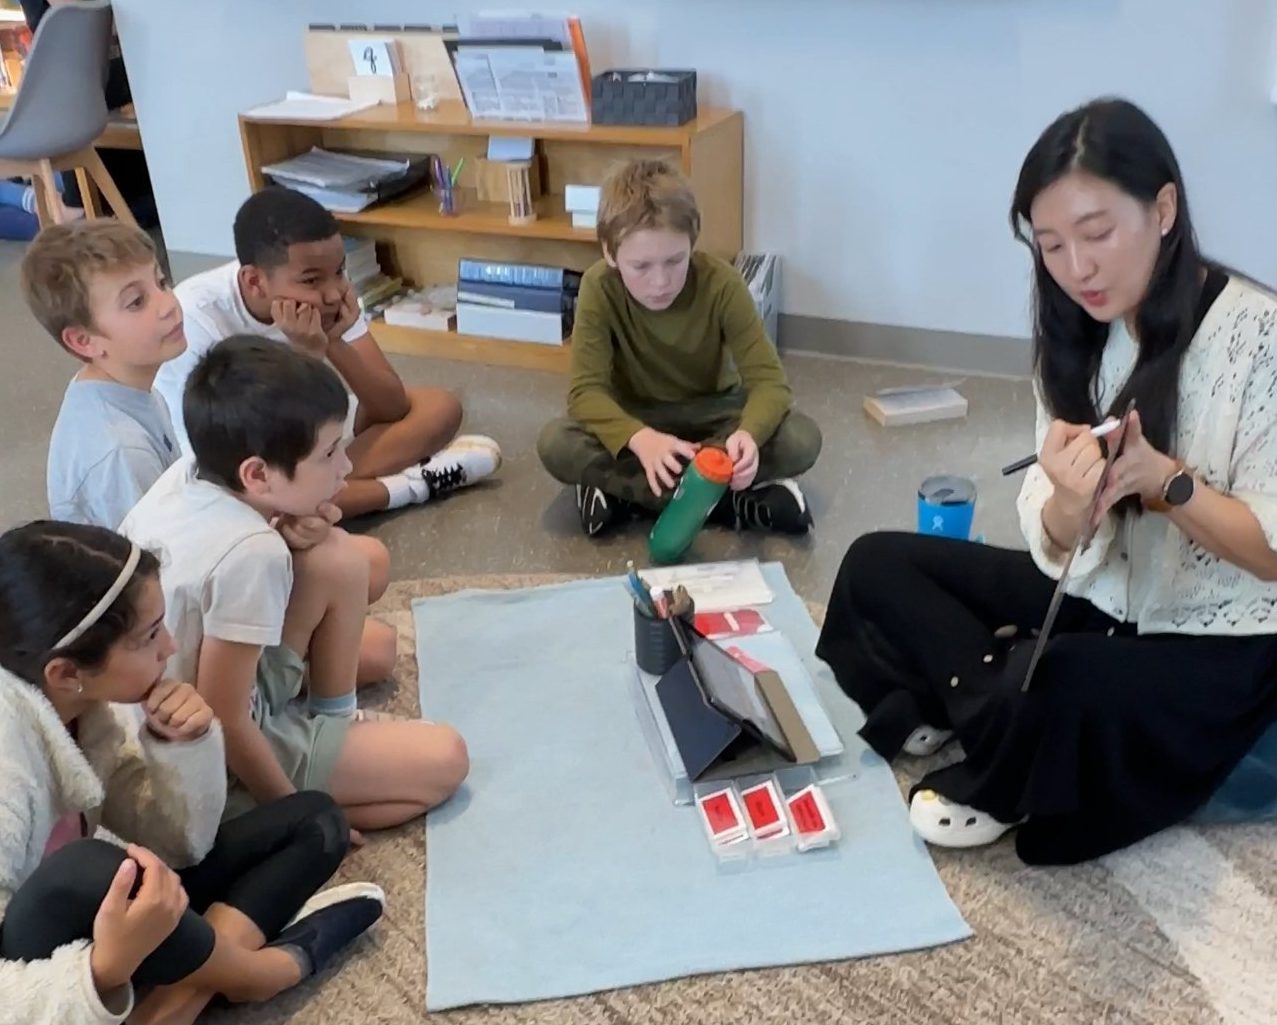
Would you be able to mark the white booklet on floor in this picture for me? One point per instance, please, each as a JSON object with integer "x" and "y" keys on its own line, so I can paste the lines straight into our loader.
{"x": 715, "y": 586}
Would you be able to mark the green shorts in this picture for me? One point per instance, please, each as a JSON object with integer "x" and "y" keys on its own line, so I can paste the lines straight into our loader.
{"x": 306, "y": 745}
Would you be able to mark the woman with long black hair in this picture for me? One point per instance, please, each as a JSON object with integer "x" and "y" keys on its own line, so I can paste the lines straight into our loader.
{"x": 1161, "y": 670}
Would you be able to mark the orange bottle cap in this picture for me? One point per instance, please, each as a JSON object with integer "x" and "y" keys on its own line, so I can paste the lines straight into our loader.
{"x": 714, "y": 465}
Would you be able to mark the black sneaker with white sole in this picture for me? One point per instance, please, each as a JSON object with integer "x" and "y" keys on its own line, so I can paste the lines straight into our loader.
{"x": 777, "y": 505}
{"x": 599, "y": 510}
{"x": 331, "y": 926}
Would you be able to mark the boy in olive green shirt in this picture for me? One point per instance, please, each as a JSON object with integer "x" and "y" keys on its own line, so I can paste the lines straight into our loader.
{"x": 669, "y": 354}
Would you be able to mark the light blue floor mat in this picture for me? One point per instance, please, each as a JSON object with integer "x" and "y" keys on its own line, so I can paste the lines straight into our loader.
{"x": 563, "y": 867}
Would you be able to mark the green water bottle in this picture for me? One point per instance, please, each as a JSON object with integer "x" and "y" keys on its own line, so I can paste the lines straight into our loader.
{"x": 699, "y": 489}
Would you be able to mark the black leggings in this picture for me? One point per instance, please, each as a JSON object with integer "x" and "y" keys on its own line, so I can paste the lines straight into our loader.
{"x": 1121, "y": 734}
{"x": 265, "y": 864}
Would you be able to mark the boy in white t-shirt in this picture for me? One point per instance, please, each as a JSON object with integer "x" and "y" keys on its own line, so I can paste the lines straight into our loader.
{"x": 289, "y": 284}
{"x": 96, "y": 287}
{"x": 250, "y": 618}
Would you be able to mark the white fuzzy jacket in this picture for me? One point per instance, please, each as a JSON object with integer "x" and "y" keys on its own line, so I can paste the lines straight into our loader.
{"x": 1143, "y": 570}
{"x": 167, "y": 797}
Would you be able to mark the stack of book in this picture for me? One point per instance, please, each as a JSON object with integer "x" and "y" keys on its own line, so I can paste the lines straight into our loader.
{"x": 430, "y": 309}
{"x": 345, "y": 182}
{"x": 372, "y": 285}
{"x": 520, "y": 302}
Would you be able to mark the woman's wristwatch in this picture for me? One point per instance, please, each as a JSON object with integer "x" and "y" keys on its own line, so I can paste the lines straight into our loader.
{"x": 1176, "y": 491}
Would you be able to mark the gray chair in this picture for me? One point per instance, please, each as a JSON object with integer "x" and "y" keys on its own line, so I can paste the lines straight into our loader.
{"x": 60, "y": 108}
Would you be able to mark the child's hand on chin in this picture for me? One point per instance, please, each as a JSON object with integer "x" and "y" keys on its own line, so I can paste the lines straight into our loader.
{"x": 303, "y": 532}
{"x": 175, "y": 711}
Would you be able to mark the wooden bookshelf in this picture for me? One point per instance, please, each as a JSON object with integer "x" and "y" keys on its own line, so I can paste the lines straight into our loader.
{"x": 423, "y": 246}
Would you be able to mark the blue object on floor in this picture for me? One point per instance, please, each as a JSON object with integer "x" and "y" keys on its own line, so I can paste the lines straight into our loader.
{"x": 563, "y": 867}
{"x": 1249, "y": 794}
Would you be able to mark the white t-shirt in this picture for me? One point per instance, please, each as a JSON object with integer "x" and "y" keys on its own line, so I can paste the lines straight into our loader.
{"x": 109, "y": 445}
{"x": 214, "y": 309}
{"x": 224, "y": 571}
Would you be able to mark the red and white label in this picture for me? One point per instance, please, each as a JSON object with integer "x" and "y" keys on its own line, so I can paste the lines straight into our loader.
{"x": 810, "y": 812}
{"x": 733, "y": 623}
{"x": 764, "y": 811}
{"x": 750, "y": 663}
{"x": 722, "y": 816}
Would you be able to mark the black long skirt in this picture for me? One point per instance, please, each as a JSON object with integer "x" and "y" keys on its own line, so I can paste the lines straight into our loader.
{"x": 1120, "y": 734}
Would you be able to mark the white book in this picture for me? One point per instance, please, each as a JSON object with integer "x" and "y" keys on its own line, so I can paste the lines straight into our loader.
{"x": 513, "y": 325}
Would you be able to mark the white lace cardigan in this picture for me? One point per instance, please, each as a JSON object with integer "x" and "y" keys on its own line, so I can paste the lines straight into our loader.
{"x": 1143, "y": 569}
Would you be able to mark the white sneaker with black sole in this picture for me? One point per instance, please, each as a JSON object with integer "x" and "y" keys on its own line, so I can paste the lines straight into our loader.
{"x": 467, "y": 459}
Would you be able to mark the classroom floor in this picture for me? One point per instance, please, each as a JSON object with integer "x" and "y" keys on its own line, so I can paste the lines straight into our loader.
{"x": 524, "y": 522}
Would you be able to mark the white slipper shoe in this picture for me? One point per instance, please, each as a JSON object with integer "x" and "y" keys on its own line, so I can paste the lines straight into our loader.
{"x": 926, "y": 740}
{"x": 941, "y": 822}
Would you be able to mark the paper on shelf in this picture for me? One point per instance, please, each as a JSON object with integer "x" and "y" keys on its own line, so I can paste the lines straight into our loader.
{"x": 521, "y": 83}
{"x": 303, "y": 106}
{"x": 715, "y": 586}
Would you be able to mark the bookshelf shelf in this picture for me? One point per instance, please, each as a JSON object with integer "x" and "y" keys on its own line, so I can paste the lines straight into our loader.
{"x": 414, "y": 341}
{"x": 421, "y": 210}
{"x": 417, "y": 243}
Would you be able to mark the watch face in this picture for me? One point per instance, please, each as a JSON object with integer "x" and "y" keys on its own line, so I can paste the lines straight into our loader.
{"x": 1179, "y": 489}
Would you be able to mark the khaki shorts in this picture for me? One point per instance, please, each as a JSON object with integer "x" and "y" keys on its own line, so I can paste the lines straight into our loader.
{"x": 306, "y": 745}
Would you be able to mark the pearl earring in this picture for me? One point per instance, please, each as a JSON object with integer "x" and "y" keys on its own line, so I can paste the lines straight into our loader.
{"x": 79, "y": 688}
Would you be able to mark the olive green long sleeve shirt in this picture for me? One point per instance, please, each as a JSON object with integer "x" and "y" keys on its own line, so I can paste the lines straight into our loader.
{"x": 625, "y": 356}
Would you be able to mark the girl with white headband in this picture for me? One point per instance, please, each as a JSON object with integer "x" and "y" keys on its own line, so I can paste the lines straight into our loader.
{"x": 92, "y": 735}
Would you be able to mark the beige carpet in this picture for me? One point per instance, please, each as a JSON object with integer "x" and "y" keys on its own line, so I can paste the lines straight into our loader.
{"x": 1181, "y": 930}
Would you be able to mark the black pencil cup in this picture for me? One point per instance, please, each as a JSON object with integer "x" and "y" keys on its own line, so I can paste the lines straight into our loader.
{"x": 655, "y": 646}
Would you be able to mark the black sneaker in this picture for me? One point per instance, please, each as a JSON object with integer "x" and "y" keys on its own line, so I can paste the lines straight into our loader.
{"x": 326, "y": 930}
{"x": 777, "y": 505}
{"x": 599, "y": 510}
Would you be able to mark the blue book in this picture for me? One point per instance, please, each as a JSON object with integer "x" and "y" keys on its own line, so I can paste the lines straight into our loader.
{"x": 516, "y": 297}
{"x": 527, "y": 275}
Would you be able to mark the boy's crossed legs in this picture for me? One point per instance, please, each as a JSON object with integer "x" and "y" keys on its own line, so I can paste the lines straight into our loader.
{"x": 382, "y": 452}
{"x": 387, "y": 772}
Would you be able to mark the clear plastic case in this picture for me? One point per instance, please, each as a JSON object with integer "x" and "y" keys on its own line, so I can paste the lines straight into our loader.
{"x": 753, "y": 820}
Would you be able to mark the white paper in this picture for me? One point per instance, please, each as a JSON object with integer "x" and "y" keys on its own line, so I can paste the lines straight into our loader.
{"x": 715, "y": 586}
{"x": 515, "y": 24}
{"x": 511, "y": 147}
{"x": 373, "y": 57}
{"x": 302, "y": 106}
{"x": 521, "y": 83}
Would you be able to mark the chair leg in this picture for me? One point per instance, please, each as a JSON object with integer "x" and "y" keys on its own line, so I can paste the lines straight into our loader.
{"x": 48, "y": 203}
{"x": 88, "y": 159}
{"x": 90, "y": 197}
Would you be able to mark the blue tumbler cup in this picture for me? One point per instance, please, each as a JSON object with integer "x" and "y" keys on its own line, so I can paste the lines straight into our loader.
{"x": 946, "y": 507}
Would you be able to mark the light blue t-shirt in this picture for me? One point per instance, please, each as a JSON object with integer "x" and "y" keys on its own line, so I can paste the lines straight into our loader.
{"x": 109, "y": 445}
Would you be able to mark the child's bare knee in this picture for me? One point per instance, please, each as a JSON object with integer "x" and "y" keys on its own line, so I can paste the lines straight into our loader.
{"x": 340, "y": 560}
{"x": 438, "y": 411}
{"x": 378, "y": 566}
{"x": 379, "y": 651}
{"x": 452, "y": 759}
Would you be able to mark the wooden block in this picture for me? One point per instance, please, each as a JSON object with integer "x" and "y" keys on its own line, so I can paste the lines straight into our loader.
{"x": 493, "y": 184}
{"x": 899, "y": 407}
{"x": 392, "y": 89}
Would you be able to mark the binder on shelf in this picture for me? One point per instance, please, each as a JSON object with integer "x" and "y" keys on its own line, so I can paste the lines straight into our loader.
{"x": 516, "y": 297}
{"x": 526, "y": 274}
